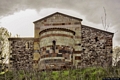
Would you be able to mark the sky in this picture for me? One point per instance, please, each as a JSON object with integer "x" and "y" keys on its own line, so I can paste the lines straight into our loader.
{"x": 17, "y": 16}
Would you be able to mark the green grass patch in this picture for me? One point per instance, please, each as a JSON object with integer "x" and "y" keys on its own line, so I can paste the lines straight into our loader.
{"x": 89, "y": 73}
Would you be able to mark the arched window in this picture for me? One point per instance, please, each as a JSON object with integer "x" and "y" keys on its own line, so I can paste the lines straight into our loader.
{"x": 54, "y": 45}
{"x": 54, "y": 42}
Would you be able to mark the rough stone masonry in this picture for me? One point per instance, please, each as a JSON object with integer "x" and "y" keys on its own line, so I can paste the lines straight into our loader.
{"x": 61, "y": 41}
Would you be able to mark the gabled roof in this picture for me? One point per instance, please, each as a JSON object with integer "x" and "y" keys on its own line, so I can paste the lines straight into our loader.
{"x": 60, "y": 14}
{"x": 98, "y": 29}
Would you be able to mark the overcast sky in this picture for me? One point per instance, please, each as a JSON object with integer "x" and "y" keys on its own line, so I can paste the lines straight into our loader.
{"x": 18, "y": 15}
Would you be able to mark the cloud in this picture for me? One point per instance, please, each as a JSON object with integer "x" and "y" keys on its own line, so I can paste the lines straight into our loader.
{"x": 91, "y": 9}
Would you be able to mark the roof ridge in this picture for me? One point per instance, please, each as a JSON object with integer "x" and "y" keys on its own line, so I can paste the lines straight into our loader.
{"x": 97, "y": 29}
{"x": 57, "y": 13}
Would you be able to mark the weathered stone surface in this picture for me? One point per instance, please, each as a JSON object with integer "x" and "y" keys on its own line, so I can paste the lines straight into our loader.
{"x": 21, "y": 53}
{"x": 96, "y": 47}
{"x": 62, "y": 40}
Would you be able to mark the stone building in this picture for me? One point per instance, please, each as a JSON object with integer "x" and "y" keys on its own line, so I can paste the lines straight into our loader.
{"x": 21, "y": 53}
{"x": 62, "y": 41}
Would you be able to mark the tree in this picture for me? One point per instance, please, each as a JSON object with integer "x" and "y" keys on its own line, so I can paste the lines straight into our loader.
{"x": 106, "y": 26}
{"x": 116, "y": 55}
{"x": 4, "y": 47}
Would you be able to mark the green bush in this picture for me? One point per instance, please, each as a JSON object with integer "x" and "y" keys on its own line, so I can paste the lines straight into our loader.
{"x": 89, "y": 73}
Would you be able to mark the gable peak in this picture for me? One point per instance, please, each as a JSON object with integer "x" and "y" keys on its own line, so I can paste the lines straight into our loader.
{"x": 60, "y": 14}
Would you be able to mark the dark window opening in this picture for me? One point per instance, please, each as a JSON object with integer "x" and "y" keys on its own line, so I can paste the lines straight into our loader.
{"x": 104, "y": 47}
{"x": 28, "y": 45}
{"x": 74, "y": 33}
{"x": 54, "y": 45}
{"x": 83, "y": 49}
{"x": 54, "y": 42}
{"x": 111, "y": 51}
{"x": 79, "y": 44}
{"x": 71, "y": 56}
{"x": 96, "y": 39}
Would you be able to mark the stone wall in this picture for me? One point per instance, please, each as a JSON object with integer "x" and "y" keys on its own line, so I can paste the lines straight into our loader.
{"x": 62, "y": 54}
{"x": 60, "y": 51}
{"x": 60, "y": 21}
{"x": 36, "y": 55}
{"x": 21, "y": 53}
{"x": 36, "y": 32}
{"x": 57, "y": 20}
{"x": 59, "y": 35}
{"x": 61, "y": 38}
{"x": 96, "y": 47}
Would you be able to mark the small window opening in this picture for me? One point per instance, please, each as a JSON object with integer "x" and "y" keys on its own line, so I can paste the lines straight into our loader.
{"x": 79, "y": 44}
{"x": 28, "y": 45}
{"x": 83, "y": 49}
{"x": 74, "y": 33}
{"x": 54, "y": 42}
{"x": 54, "y": 45}
{"x": 111, "y": 51}
{"x": 96, "y": 39}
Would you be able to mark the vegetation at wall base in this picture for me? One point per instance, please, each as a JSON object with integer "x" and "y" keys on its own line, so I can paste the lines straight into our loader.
{"x": 89, "y": 73}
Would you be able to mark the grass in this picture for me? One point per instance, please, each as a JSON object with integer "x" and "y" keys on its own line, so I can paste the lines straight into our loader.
{"x": 90, "y": 73}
